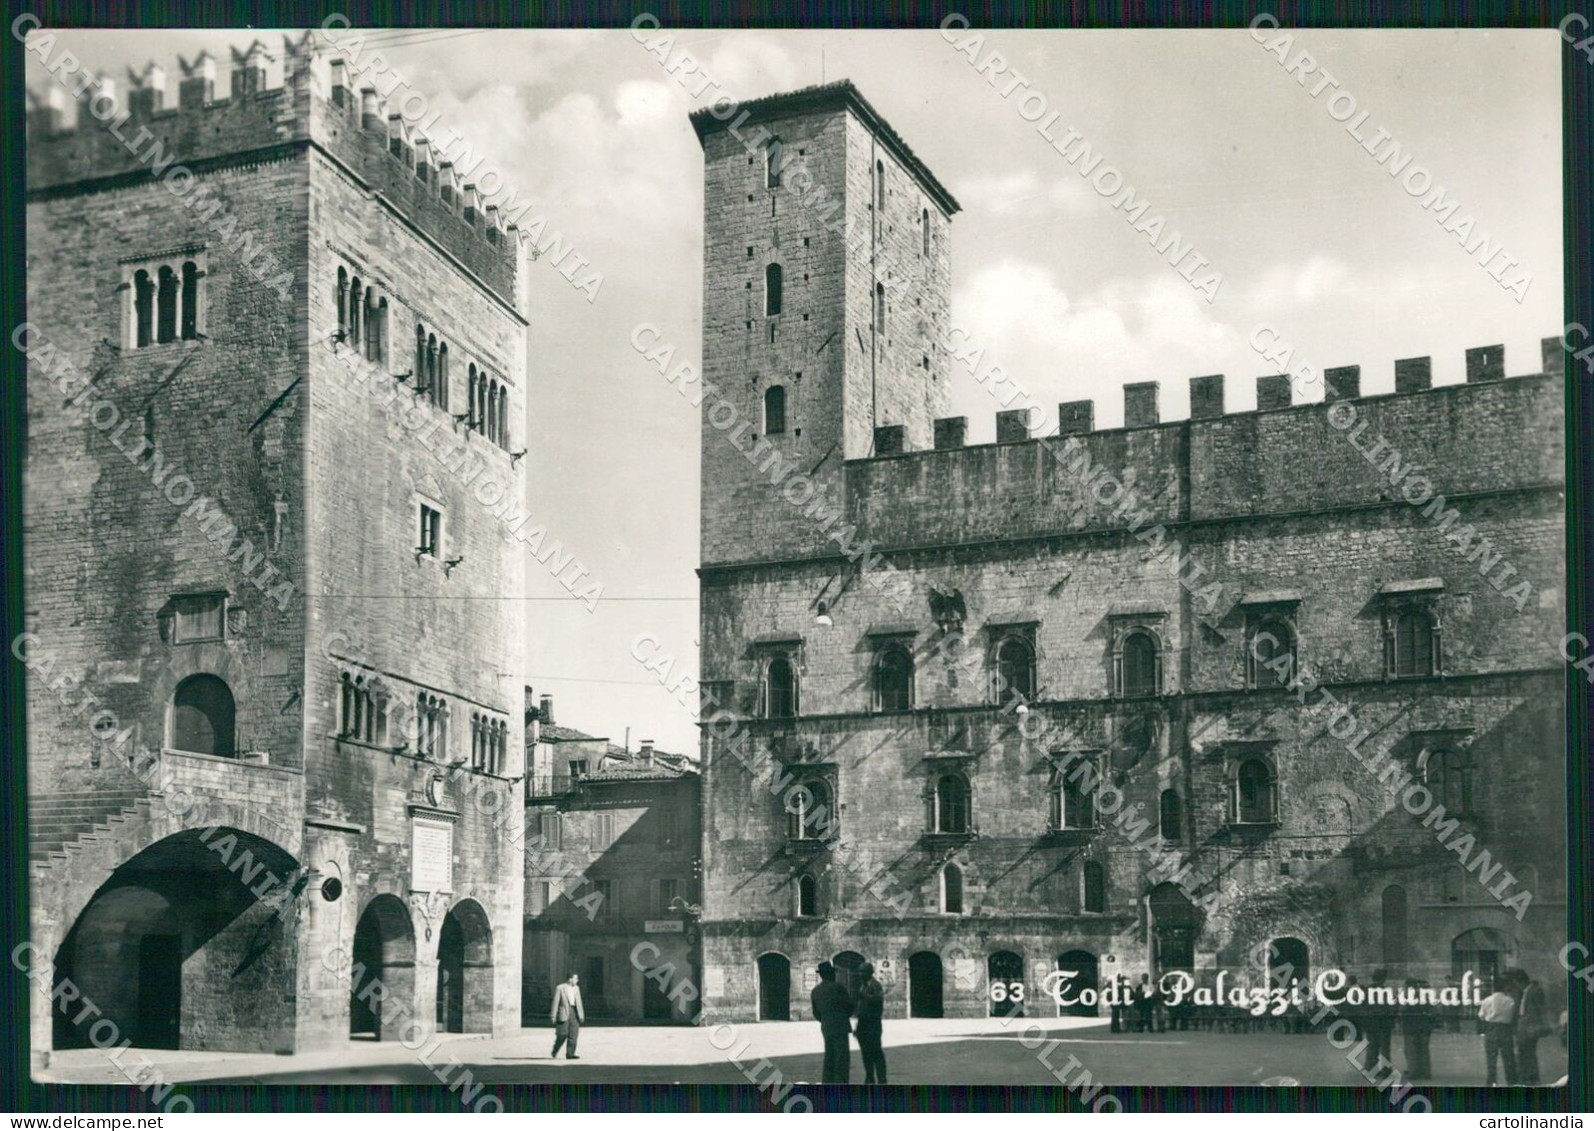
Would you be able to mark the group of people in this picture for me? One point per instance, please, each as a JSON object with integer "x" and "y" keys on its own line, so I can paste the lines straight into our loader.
{"x": 1513, "y": 1019}
{"x": 834, "y": 1006}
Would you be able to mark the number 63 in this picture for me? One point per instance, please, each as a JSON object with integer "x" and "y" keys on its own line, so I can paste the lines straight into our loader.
{"x": 1003, "y": 991}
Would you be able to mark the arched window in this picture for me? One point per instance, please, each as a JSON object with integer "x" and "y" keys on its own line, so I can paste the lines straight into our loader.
{"x": 924, "y": 225}
{"x": 1449, "y": 777}
{"x": 1393, "y": 914}
{"x": 1141, "y": 664}
{"x": 772, "y": 163}
{"x": 812, "y": 815}
{"x": 807, "y": 897}
{"x": 1015, "y": 669}
{"x": 774, "y": 410}
{"x": 380, "y": 354}
{"x": 1413, "y": 644}
{"x": 492, "y": 411}
{"x": 428, "y": 384}
{"x": 190, "y": 329}
{"x": 952, "y": 804}
{"x": 202, "y": 716}
{"x": 503, "y": 416}
{"x": 951, "y": 889}
{"x": 420, "y": 355}
{"x": 481, "y": 402}
{"x": 1093, "y": 888}
{"x": 473, "y": 420}
{"x": 373, "y": 325}
{"x": 440, "y": 393}
{"x": 166, "y": 306}
{"x": 1255, "y": 793}
{"x": 1272, "y": 653}
{"x": 356, "y": 308}
{"x": 880, "y": 185}
{"x": 143, "y": 308}
{"x": 893, "y": 679}
{"x": 780, "y": 689}
{"x": 1171, "y": 815}
{"x": 772, "y": 288}
{"x": 880, "y": 308}
{"x": 343, "y": 302}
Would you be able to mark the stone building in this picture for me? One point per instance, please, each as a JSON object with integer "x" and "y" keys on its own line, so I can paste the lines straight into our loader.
{"x": 261, "y": 540}
{"x": 612, "y": 864}
{"x": 1114, "y": 701}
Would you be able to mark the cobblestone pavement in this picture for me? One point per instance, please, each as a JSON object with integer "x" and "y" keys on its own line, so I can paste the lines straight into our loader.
{"x": 971, "y": 1051}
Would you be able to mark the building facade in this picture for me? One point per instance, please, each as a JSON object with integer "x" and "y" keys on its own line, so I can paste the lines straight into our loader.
{"x": 612, "y": 878}
{"x": 298, "y": 344}
{"x": 1113, "y": 701}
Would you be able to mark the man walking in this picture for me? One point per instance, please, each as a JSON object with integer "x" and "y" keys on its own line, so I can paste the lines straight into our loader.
{"x": 567, "y": 1016}
{"x": 1533, "y": 1023}
{"x": 871, "y": 1010}
{"x": 832, "y": 1006}
{"x": 1497, "y": 1023}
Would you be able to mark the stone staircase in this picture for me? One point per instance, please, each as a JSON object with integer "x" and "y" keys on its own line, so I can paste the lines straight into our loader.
{"x": 58, "y": 823}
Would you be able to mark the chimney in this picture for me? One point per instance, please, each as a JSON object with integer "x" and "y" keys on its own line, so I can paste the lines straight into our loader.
{"x": 340, "y": 84}
{"x": 370, "y": 113}
{"x": 1012, "y": 426}
{"x": 1344, "y": 383}
{"x": 199, "y": 81}
{"x": 1140, "y": 404}
{"x": 545, "y": 710}
{"x": 1273, "y": 391}
{"x": 1485, "y": 363}
{"x": 889, "y": 439}
{"x": 951, "y": 432}
{"x": 1413, "y": 374}
{"x": 1554, "y": 354}
{"x": 1074, "y": 417}
{"x": 1206, "y": 397}
{"x": 249, "y": 70}
{"x": 645, "y": 752}
{"x": 148, "y": 95}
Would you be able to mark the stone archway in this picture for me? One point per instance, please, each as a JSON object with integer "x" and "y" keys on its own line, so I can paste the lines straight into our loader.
{"x": 382, "y": 979}
{"x": 190, "y": 944}
{"x": 774, "y": 987}
{"x": 465, "y": 970}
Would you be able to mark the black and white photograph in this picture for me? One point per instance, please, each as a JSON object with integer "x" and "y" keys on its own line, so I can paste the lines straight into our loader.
{"x": 822, "y": 561}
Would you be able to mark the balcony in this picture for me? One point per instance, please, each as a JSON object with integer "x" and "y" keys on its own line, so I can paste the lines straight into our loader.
{"x": 551, "y": 787}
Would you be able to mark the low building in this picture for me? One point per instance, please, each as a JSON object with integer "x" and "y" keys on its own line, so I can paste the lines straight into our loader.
{"x": 612, "y": 871}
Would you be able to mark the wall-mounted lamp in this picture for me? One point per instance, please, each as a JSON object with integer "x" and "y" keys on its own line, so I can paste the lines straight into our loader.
{"x": 514, "y": 457}
{"x": 822, "y": 617}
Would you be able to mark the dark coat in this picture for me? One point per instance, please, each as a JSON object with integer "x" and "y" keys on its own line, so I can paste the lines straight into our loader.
{"x": 832, "y": 1006}
{"x": 871, "y": 1006}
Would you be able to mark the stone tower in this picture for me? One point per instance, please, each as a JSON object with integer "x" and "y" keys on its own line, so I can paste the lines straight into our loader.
{"x": 275, "y": 390}
{"x": 825, "y": 285}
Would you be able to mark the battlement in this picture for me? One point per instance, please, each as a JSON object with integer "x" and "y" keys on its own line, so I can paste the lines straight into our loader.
{"x": 1487, "y": 434}
{"x": 79, "y": 144}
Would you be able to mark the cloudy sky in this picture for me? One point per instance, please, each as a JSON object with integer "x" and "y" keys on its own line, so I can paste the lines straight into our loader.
{"x": 1311, "y": 235}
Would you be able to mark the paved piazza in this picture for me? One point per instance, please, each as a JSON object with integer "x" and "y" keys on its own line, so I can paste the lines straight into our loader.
{"x": 977, "y": 1051}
